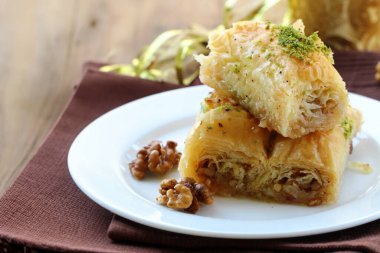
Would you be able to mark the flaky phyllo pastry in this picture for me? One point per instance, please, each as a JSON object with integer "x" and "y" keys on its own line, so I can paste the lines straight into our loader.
{"x": 230, "y": 153}
{"x": 282, "y": 77}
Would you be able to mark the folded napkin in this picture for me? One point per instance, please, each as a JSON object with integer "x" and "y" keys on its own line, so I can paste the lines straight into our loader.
{"x": 45, "y": 210}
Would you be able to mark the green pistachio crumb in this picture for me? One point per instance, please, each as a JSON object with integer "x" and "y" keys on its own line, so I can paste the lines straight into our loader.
{"x": 203, "y": 107}
{"x": 347, "y": 128}
{"x": 279, "y": 65}
{"x": 236, "y": 69}
{"x": 225, "y": 107}
{"x": 299, "y": 46}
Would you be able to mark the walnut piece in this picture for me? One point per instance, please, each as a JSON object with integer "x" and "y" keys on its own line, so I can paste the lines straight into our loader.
{"x": 377, "y": 71}
{"x": 156, "y": 158}
{"x": 180, "y": 197}
{"x": 186, "y": 194}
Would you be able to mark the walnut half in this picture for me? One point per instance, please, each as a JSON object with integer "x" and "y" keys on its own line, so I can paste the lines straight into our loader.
{"x": 184, "y": 195}
{"x": 155, "y": 158}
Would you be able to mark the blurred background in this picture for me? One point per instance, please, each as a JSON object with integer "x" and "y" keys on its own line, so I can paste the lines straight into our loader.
{"x": 43, "y": 45}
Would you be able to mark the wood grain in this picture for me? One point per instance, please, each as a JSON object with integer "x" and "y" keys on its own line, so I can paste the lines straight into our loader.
{"x": 43, "y": 45}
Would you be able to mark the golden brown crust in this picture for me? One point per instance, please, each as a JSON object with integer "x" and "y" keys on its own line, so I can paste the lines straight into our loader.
{"x": 230, "y": 153}
{"x": 291, "y": 96}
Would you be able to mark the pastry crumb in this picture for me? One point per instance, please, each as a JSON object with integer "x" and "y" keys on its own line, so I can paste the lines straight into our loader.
{"x": 364, "y": 168}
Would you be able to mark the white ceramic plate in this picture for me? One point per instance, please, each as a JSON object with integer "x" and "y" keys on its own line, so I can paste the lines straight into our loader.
{"x": 98, "y": 163}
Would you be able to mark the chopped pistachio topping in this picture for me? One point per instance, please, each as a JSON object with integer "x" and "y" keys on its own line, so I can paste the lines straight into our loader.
{"x": 298, "y": 45}
{"x": 236, "y": 68}
{"x": 225, "y": 107}
{"x": 347, "y": 128}
{"x": 204, "y": 107}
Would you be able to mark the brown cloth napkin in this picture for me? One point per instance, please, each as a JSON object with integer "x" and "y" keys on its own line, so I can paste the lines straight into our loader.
{"x": 44, "y": 209}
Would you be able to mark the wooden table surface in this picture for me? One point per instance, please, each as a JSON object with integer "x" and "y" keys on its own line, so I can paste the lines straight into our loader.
{"x": 43, "y": 45}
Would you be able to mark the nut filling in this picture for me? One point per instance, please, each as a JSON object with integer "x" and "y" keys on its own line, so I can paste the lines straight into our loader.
{"x": 155, "y": 158}
{"x": 234, "y": 178}
{"x": 184, "y": 195}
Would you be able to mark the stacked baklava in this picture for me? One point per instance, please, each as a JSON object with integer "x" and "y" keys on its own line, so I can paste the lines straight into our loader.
{"x": 278, "y": 125}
